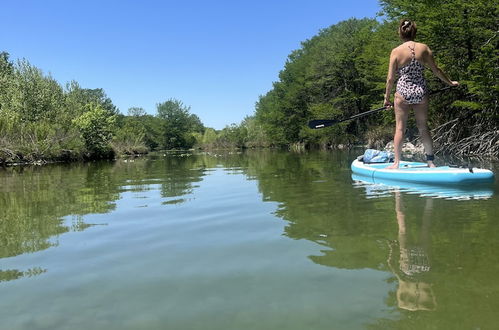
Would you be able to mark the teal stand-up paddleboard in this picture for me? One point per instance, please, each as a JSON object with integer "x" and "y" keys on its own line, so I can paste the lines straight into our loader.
{"x": 416, "y": 172}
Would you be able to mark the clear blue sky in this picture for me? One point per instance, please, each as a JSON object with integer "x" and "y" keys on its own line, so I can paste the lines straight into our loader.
{"x": 215, "y": 56}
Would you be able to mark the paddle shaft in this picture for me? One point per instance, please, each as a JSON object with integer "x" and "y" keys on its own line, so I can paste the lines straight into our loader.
{"x": 320, "y": 123}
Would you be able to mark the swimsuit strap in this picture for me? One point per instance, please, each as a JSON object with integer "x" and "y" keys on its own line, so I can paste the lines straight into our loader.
{"x": 413, "y": 54}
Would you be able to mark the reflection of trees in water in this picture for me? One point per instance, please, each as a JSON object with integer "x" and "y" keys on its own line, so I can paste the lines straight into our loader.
{"x": 40, "y": 203}
{"x": 176, "y": 175}
{"x": 316, "y": 199}
{"x": 179, "y": 175}
{"x": 34, "y": 202}
{"x": 14, "y": 274}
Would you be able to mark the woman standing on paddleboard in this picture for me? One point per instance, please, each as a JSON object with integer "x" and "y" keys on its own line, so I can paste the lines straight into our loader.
{"x": 409, "y": 60}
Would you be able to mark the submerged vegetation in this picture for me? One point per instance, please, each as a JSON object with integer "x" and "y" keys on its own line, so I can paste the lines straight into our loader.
{"x": 338, "y": 73}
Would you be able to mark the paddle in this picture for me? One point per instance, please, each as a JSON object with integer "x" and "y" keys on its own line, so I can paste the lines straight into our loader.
{"x": 321, "y": 123}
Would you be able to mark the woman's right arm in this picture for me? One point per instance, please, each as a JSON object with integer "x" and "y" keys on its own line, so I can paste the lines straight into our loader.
{"x": 430, "y": 62}
{"x": 390, "y": 78}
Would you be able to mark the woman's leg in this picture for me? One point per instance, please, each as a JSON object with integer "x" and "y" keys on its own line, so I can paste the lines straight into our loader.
{"x": 421, "y": 114}
{"x": 401, "y": 110}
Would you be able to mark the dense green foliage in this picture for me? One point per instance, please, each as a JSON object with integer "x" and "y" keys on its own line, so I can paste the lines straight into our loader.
{"x": 40, "y": 120}
{"x": 96, "y": 126}
{"x": 178, "y": 125}
{"x": 328, "y": 76}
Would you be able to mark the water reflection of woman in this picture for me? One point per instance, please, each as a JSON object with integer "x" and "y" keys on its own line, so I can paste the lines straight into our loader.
{"x": 414, "y": 292}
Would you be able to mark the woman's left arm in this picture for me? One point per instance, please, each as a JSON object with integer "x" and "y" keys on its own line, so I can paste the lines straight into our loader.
{"x": 430, "y": 62}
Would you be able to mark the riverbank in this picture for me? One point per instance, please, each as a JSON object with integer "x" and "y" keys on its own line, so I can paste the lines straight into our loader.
{"x": 20, "y": 161}
{"x": 410, "y": 151}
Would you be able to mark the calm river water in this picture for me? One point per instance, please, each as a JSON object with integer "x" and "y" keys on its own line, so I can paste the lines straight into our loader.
{"x": 255, "y": 240}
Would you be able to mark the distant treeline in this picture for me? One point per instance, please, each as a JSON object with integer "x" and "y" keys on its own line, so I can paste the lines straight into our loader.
{"x": 40, "y": 120}
{"x": 338, "y": 73}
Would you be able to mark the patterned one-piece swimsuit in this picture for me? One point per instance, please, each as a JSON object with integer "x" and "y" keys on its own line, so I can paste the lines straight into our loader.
{"x": 411, "y": 84}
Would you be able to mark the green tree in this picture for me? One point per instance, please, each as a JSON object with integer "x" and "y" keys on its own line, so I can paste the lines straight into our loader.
{"x": 255, "y": 134}
{"x": 29, "y": 93}
{"x": 6, "y": 76}
{"x": 232, "y": 136}
{"x": 96, "y": 125}
{"x": 195, "y": 124}
{"x": 129, "y": 136}
{"x": 77, "y": 98}
{"x": 209, "y": 138}
{"x": 176, "y": 124}
{"x": 330, "y": 72}
{"x": 153, "y": 131}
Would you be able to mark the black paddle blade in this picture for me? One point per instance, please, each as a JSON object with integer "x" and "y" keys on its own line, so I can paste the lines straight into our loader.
{"x": 321, "y": 123}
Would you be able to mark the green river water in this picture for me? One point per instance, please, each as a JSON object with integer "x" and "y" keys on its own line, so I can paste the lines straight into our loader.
{"x": 254, "y": 240}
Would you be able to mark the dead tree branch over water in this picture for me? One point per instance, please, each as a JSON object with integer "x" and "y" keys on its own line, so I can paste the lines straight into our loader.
{"x": 469, "y": 137}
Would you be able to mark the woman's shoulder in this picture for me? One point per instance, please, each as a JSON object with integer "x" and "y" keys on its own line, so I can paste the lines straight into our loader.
{"x": 396, "y": 50}
{"x": 403, "y": 46}
{"x": 422, "y": 46}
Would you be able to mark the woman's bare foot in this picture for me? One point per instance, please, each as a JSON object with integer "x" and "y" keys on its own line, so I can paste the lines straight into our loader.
{"x": 430, "y": 164}
{"x": 394, "y": 166}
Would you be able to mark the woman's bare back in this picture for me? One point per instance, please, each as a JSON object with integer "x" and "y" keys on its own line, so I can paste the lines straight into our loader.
{"x": 403, "y": 54}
